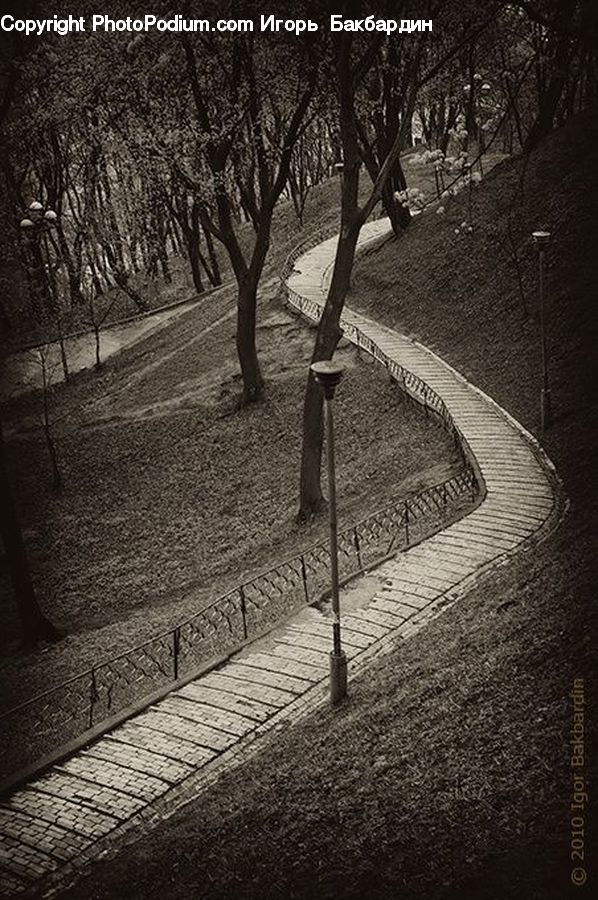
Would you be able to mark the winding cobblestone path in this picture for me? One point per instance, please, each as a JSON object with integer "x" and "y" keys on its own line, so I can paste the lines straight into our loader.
{"x": 139, "y": 772}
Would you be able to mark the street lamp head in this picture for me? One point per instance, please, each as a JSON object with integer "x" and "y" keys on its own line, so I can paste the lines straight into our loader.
{"x": 339, "y": 167}
{"x": 541, "y": 238}
{"x": 26, "y": 223}
{"x": 327, "y": 374}
{"x": 486, "y": 87}
{"x": 36, "y": 210}
{"x": 50, "y": 216}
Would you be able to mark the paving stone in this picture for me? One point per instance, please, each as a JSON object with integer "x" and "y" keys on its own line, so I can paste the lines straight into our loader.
{"x": 53, "y": 839}
{"x": 440, "y": 559}
{"x": 359, "y": 640}
{"x": 512, "y": 520}
{"x": 488, "y": 524}
{"x": 491, "y": 537}
{"x": 135, "y": 734}
{"x": 464, "y": 550}
{"x": 278, "y": 665}
{"x": 502, "y": 504}
{"x": 256, "y": 711}
{"x": 66, "y": 813}
{"x": 375, "y": 614}
{"x": 412, "y": 593}
{"x": 88, "y": 794}
{"x": 212, "y": 716}
{"x": 138, "y": 784}
{"x": 25, "y": 861}
{"x": 400, "y": 611}
{"x": 187, "y": 729}
{"x": 411, "y": 574}
{"x": 139, "y": 759}
{"x": 325, "y": 646}
{"x": 357, "y": 623}
{"x": 251, "y": 687}
{"x": 315, "y": 657}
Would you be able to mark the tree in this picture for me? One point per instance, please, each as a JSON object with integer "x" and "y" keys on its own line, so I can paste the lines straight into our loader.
{"x": 349, "y": 74}
{"x": 35, "y": 625}
{"x": 256, "y": 152}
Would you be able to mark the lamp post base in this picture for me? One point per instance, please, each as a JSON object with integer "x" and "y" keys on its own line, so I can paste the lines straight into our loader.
{"x": 545, "y": 409}
{"x": 338, "y": 677}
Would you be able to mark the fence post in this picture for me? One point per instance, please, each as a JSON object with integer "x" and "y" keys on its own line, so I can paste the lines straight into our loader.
{"x": 473, "y": 483}
{"x": 176, "y": 640}
{"x": 93, "y": 696}
{"x": 357, "y": 548}
{"x": 406, "y": 523}
{"x": 243, "y": 611}
{"x": 304, "y": 577}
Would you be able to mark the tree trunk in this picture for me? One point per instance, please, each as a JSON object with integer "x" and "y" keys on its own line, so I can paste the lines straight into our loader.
{"x": 195, "y": 262}
{"x": 56, "y": 474}
{"x": 192, "y": 236}
{"x": 96, "y": 332}
{"x": 549, "y": 99}
{"x": 253, "y": 383}
{"x": 35, "y": 626}
{"x": 62, "y": 344}
{"x": 214, "y": 270}
{"x": 327, "y": 338}
{"x": 122, "y": 281}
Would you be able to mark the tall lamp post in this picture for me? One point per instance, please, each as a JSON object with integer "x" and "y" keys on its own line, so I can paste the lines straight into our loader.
{"x": 328, "y": 374}
{"x": 541, "y": 240}
{"x": 36, "y": 227}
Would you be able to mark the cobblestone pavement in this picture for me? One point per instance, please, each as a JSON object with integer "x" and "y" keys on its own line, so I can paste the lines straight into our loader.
{"x": 57, "y": 821}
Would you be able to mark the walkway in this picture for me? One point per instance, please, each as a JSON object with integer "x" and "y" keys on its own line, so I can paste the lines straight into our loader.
{"x": 141, "y": 770}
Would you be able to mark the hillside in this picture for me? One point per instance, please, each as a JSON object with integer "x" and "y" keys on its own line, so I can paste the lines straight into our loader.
{"x": 169, "y": 500}
{"x": 447, "y": 775}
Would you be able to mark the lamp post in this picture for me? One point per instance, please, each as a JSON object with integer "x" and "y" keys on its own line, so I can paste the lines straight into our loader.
{"x": 328, "y": 374}
{"x": 541, "y": 240}
{"x": 36, "y": 227}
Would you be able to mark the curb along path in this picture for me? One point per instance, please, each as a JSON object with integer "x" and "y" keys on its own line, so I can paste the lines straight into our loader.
{"x": 53, "y": 825}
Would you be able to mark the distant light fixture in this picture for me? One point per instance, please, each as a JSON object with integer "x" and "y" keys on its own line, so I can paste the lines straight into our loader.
{"x": 541, "y": 238}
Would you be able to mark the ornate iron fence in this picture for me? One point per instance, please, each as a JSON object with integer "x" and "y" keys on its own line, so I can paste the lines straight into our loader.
{"x": 66, "y": 712}
{"x": 63, "y": 713}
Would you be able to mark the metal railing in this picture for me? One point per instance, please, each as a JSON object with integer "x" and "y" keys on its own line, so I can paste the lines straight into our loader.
{"x": 60, "y": 715}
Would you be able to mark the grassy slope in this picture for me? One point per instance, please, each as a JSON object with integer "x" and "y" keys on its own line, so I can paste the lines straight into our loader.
{"x": 173, "y": 496}
{"x": 447, "y": 775}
